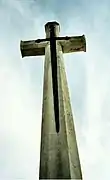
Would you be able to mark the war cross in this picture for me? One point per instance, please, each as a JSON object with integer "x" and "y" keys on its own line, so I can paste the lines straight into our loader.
{"x": 59, "y": 157}
{"x": 37, "y": 47}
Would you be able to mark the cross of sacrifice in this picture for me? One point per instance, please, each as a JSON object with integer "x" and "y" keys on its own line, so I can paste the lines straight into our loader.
{"x": 68, "y": 45}
{"x": 59, "y": 157}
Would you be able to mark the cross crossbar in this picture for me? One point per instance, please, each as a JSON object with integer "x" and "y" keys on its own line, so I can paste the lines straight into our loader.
{"x": 68, "y": 44}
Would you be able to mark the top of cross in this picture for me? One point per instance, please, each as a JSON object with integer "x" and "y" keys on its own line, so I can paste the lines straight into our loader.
{"x": 48, "y": 27}
{"x": 68, "y": 43}
{"x": 37, "y": 47}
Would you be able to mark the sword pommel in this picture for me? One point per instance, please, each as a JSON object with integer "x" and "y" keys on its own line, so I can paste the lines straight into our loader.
{"x": 48, "y": 27}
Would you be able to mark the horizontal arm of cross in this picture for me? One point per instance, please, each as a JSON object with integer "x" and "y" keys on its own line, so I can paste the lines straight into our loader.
{"x": 68, "y": 44}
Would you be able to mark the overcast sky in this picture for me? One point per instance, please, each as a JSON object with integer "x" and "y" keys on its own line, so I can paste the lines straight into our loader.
{"x": 21, "y": 83}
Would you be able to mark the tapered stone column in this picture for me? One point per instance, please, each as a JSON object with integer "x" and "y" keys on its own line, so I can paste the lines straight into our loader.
{"x": 59, "y": 157}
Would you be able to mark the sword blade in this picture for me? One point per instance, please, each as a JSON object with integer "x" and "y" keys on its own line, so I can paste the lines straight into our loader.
{"x": 54, "y": 77}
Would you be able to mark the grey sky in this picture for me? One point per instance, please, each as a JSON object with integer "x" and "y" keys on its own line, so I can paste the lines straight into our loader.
{"x": 21, "y": 83}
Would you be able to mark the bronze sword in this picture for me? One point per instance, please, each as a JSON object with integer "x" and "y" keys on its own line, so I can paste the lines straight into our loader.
{"x": 53, "y": 53}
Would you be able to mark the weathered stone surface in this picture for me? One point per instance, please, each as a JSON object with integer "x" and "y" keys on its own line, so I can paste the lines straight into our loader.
{"x": 68, "y": 44}
{"x": 59, "y": 157}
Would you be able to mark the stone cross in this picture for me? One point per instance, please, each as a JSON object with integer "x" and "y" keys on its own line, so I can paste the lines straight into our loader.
{"x": 59, "y": 157}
